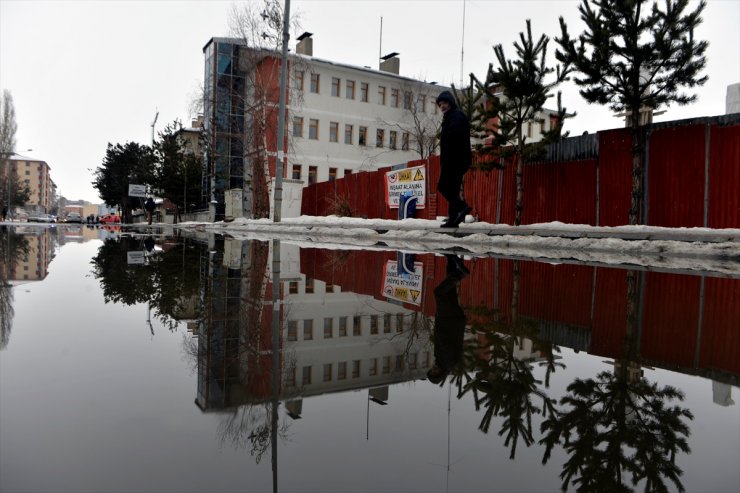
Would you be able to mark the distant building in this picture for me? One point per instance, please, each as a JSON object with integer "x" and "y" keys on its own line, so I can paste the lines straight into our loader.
{"x": 36, "y": 174}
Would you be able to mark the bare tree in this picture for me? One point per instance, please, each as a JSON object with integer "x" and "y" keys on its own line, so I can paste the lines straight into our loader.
{"x": 8, "y": 125}
{"x": 417, "y": 120}
{"x": 258, "y": 27}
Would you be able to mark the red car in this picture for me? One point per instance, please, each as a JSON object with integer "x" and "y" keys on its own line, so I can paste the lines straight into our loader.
{"x": 110, "y": 218}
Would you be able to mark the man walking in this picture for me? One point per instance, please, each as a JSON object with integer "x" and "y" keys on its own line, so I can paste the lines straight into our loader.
{"x": 149, "y": 206}
{"x": 455, "y": 157}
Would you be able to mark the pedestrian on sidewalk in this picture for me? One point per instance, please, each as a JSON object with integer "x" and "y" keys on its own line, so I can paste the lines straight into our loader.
{"x": 149, "y": 206}
{"x": 456, "y": 158}
{"x": 5, "y": 213}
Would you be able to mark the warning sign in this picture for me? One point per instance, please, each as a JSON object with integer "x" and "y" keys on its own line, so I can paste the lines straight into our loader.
{"x": 409, "y": 180}
{"x": 404, "y": 287}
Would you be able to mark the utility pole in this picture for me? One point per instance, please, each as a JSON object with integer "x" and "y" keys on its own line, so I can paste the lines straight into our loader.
{"x": 278, "y": 202}
{"x": 154, "y": 123}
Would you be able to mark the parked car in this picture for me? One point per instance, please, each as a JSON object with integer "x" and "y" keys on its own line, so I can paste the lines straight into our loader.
{"x": 110, "y": 218}
{"x": 73, "y": 217}
{"x": 40, "y": 217}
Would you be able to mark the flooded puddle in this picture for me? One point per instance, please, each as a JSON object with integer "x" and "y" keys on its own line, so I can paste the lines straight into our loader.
{"x": 177, "y": 362}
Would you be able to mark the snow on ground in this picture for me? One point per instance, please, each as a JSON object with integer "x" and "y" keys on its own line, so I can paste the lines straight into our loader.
{"x": 691, "y": 249}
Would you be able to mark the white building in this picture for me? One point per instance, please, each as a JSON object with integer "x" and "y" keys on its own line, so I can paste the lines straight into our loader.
{"x": 341, "y": 119}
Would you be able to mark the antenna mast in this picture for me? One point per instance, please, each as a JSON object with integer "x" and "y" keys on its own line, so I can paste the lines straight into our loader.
{"x": 462, "y": 47}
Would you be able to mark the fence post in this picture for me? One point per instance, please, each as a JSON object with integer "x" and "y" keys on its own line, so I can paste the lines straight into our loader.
{"x": 707, "y": 135}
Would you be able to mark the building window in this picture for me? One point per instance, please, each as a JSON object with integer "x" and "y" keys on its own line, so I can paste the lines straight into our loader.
{"x": 293, "y": 286}
{"x": 298, "y": 81}
{"x": 328, "y": 328}
{"x": 309, "y": 285}
{"x": 342, "y": 326}
{"x": 356, "y": 325}
{"x": 292, "y": 330}
{"x": 335, "y": 81}
{"x": 399, "y": 362}
{"x": 373, "y": 324}
{"x": 407, "y": 100}
{"x": 308, "y": 330}
{"x": 306, "y": 375}
{"x": 315, "y": 83}
{"x": 342, "y": 370}
{"x": 313, "y": 172}
{"x": 327, "y": 372}
{"x": 363, "y": 91}
{"x": 394, "y": 98}
{"x": 348, "y": 131}
{"x": 297, "y": 126}
{"x": 290, "y": 380}
{"x": 332, "y": 174}
{"x": 296, "y": 176}
{"x": 529, "y": 129}
{"x": 387, "y": 323}
{"x": 379, "y": 137}
{"x": 313, "y": 129}
{"x": 347, "y": 172}
{"x": 405, "y": 141}
{"x": 542, "y": 127}
{"x": 386, "y": 364}
{"x": 427, "y": 359}
{"x": 393, "y": 144}
{"x": 381, "y": 95}
{"x": 422, "y": 101}
{"x": 362, "y": 138}
{"x": 373, "y": 367}
{"x": 356, "y": 369}
{"x": 413, "y": 361}
{"x": 333, "y": 132}
{"x": 349, "y": 91}
{"x": 399, "y": 322}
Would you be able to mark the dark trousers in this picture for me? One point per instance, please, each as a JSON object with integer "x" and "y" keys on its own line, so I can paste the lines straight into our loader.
{"x": 449, "y": 185}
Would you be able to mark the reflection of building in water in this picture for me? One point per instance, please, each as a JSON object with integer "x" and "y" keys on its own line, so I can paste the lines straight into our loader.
{"x": 342, "y": 340}
{"x": 34, "y": 266}
{"x": 331, "y": 340}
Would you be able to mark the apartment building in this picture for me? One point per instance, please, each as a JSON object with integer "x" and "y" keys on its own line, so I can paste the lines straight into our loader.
{"x": 36, "y": 174}
{"x": 341, "y": 119}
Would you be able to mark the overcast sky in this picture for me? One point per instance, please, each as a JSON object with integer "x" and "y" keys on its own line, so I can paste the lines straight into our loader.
{"x": 86, "y": 73}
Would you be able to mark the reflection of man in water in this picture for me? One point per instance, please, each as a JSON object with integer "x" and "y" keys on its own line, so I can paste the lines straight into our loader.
{"x": 449, "y": 322}
{"x": 149, "y": 244}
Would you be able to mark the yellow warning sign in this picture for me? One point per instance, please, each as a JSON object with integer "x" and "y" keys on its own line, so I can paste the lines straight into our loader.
{"x": 406, "y": 287}
{"x": 409, "y": 181}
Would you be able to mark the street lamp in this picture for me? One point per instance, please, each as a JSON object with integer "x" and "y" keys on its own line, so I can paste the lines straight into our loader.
{"x": 6, "y": 156}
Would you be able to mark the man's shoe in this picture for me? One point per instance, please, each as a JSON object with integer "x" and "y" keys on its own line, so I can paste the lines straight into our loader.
{"x": 461, "y": 215}
{"x": 448, "y": 224}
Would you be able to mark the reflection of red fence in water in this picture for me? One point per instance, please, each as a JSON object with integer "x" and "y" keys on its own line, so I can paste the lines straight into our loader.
{"x": 687, "y": 322}
{"x": 688, "y": 164}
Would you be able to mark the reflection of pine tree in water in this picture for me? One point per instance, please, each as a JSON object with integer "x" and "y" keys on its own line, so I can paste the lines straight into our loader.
{"x": 13, "y": 247}
{"x": 618, "y": 427}
{"x": 499, "y": 375}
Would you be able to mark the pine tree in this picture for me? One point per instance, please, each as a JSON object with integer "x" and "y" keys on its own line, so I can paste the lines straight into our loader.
{"x": 631, "y": 58}
{"x": 515, "y": 94}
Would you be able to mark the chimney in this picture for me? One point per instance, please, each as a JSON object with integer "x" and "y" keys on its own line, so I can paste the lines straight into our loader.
{"x": 391, "y": 63}
{"x": 305, "y": 44}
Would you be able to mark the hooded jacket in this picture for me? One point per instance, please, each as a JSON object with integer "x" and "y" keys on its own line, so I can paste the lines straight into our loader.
{"x": 454, "y": 145}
